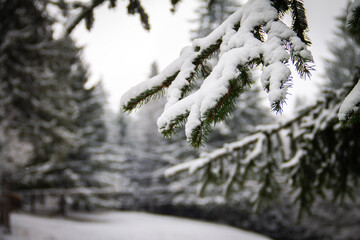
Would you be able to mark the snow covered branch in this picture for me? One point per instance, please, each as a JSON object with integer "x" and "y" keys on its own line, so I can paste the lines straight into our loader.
{"x": 309, "y": 149}
{"x": 350, "y": 109}
{"x": 252, "y": 36}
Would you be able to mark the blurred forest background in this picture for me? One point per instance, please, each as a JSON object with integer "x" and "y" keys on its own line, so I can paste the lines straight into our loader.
{"x": 63, "y": 150}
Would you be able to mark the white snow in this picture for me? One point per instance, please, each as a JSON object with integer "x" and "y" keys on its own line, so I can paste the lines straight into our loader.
{"x": 295, "y": 160}
{"x": 121, "y": 226}
{"x": 351, "y": 103}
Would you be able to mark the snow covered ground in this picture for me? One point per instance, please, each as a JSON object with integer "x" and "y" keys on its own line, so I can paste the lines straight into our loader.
{"x": 121, "y": 226}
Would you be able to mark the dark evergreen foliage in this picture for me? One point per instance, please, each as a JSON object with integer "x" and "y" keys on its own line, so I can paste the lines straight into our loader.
{"x": 44, "y": 101}
{"x": 36, "y": 85}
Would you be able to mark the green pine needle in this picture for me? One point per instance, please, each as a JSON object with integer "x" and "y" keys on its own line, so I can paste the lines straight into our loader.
{"x": 147, "y": 95}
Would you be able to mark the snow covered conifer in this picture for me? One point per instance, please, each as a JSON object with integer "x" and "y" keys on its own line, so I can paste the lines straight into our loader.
{"x": 81, "y": 162}
{"x": 43, "y": 97}
{"x": 311, "y": 153}
{"x": 252, "y": 36}
{"x": 36, "y": 93}
{"x": 91, "y": 116}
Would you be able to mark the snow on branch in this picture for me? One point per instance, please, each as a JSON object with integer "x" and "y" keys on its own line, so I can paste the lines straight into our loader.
{"x": 252, "y": 36}
{"x": 258, "y": 138}
{"x": 206, "y": 158}
{"x": 351, "y": 105}
{"x": 305, "y": 148}
{"x": 295, "y": 160}
{"x": 350, "y": 109}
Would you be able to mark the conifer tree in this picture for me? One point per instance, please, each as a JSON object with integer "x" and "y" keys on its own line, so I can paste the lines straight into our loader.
{"x": 311, "y": 153}
{"x": 36, "y": 91}
{"x": 122, "y": 125}
{"x": 50, "y": 168}
{"x": 146, "y": 167}
{"x": 90, "y": 123}
{"x": 44, "y": 101}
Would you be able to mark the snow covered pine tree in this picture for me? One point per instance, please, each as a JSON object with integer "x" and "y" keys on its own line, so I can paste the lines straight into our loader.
{"x": 45, "y": 104}
{"x": 37, "y": 100}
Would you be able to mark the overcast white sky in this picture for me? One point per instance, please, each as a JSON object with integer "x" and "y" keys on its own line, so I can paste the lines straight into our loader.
{"x": 119, "y": 51}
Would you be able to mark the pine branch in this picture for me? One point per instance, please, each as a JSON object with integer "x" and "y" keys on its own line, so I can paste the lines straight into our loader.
{"x": 299, "y": 24}
{"x": 243, "y": 45}
{"x": 136, "y": 7}
{"x": 309, "y": 131}
{"x": 87, "y": 13}
{"x": 281, "y": 6}
{"x": 147, "y": 95}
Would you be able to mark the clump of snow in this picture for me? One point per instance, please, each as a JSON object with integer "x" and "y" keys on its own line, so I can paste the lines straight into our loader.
{"x": 351, "y": 103}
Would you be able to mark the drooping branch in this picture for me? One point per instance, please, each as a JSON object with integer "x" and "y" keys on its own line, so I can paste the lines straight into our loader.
{"x": 252, "y": 36}
{"x": 306, "y": 148}
{"x": 350, "y": 108}
{"x": 86, "y": 12}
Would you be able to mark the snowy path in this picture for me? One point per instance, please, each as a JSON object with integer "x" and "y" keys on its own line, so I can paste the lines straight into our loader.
{"x": 121, "y": 226}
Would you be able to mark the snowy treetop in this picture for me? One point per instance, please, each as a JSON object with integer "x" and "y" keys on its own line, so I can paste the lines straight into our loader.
{"x": 252, "y": 36}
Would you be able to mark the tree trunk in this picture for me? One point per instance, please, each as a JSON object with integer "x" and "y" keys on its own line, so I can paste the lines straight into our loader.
{"x": 62, "y": 205}
{"x": 4, "y": 203}
{"x": 32, "y": 203}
